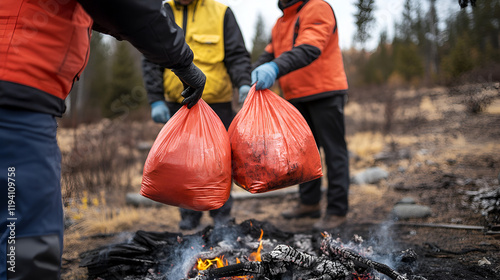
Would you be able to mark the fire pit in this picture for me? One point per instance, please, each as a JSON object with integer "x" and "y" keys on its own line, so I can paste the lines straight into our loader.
{"x": 250, "y": 250}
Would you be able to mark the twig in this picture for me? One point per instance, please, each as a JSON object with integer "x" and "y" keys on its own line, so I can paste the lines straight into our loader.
{"x": 450, "y": 226}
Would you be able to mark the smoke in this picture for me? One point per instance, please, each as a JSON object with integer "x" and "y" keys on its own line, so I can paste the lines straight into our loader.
{"x": 382, "y": 239}
{"x": 184, "y": 255}
{"x": 381, "y": 248}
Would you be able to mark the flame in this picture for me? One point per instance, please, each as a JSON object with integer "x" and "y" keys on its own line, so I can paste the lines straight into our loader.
{"x": 357, "y": 276}
{"x": 205, "y": 264}
{"x": 255, "y": 256}
{"x": 221, "y": 262}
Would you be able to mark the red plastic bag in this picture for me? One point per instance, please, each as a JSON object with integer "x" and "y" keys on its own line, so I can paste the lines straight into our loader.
{"x": 189, "y": 164}
{"x": 271, "y": 144}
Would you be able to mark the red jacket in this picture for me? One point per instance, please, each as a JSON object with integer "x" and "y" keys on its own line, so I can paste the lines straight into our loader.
{"x": 305, "y": 46}
{"x": 44, "y": 45}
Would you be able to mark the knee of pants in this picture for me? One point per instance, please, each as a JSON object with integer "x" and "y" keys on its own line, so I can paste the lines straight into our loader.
{"x": 34, "y": 257}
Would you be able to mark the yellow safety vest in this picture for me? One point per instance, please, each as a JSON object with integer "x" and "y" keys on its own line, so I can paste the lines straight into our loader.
{"x": 204, "y": 32}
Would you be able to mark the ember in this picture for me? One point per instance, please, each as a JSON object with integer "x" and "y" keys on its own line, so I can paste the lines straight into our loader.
{"x": 219, "y": 261}
{"x": 340, "y": 264}
{"x": 251, "y": 250}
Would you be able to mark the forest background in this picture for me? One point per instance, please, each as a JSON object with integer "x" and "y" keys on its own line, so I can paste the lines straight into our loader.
{"x": 425, "y": 51}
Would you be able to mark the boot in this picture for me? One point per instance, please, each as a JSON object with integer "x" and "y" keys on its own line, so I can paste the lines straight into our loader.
{"x": 329, "y": 222}
{"x": 188, "y": 223}
{"x": 190, "y": 219}
{"x": 302, "y": 211}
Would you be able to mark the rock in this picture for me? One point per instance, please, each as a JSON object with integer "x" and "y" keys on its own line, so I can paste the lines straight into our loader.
{"x": 144, "y": 145}
{"x": 431, "y": 163}
{"x": 484, "y": 261}
{"x": 370, "y": 176}
{"x": 408, "y": 211}
{"x": 392, "y": 155}
{"x": 407, "y": 200}
{"x": 451, "y": 161}
{"x": 137, "y": 200}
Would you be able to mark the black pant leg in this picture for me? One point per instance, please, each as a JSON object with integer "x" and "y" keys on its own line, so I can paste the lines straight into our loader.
{"x": 309, "y": 192}
{"x": 325, "y": 116}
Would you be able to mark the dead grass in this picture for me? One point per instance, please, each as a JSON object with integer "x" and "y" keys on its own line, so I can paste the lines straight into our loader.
{"x": 437, "y": 144}
{"x": 366, "y": 144}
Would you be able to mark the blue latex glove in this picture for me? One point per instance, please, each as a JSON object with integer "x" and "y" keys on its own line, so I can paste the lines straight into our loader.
{"x": 160, "y": 112}
{"x": 243, "y": 92}
{"x": 265, "y": 75}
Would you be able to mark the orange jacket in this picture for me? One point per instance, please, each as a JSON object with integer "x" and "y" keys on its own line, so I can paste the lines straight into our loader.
{"x": 45, "y": 47}
{"x": 307, "y": 34}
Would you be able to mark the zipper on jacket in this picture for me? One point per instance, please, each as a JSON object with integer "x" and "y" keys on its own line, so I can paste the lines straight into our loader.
{"x": 77, "y": 76}
{"x": 184, "y": 19}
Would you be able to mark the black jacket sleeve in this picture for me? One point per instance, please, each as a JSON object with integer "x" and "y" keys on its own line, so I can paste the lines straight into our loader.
{"x": 153, "y": 80}
{"x": 298, "y": 57}
{"x": 142, "y": 23}
{"x": 236, "y": 57}
{"x": 263, "y": 58}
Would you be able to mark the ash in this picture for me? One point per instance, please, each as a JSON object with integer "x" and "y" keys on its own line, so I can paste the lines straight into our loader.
{"x": 159, "y": 256}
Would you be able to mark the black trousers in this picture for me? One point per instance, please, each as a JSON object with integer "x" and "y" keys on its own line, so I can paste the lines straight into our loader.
{"x": 325, "y": 117}
{"x": 226, "y": 114}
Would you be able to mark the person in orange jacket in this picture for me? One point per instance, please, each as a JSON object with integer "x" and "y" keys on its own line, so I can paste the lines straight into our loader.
{"x": 44, "y": 46}
{"x": 305, "y": 57}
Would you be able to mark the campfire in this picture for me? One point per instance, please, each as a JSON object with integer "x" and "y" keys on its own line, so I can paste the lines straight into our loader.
{"x": 250, "y": 250}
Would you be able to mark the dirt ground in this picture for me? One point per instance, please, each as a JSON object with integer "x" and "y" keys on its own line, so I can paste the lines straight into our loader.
{"x": 436, "y": 153}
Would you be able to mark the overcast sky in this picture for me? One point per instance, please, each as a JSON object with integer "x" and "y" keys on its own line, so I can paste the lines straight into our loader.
{"x": 387, "y": 12}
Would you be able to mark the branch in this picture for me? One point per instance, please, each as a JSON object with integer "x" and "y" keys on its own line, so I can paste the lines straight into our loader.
{"x": 330, "y": 249}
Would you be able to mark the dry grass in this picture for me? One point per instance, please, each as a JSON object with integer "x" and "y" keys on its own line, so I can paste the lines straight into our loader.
{"x": 97, "y": 206}
{"x": 366, "y": 144}
{"x": 494, "y": 108}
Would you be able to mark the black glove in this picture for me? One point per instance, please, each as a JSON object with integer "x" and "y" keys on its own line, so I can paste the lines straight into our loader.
{"x": 193, "y": 80}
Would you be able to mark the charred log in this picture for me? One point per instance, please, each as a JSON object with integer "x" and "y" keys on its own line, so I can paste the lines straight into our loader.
{"x": 330, "y": 248}
{"x": 278, "y": 262}
{"x": 336, "y": 263}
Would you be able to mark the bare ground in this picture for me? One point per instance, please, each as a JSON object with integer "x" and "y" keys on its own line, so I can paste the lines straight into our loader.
{"x": 436, "y": 153}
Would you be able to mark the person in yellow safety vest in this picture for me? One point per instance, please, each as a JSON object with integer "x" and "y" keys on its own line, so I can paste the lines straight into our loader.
{"x": 211, "y": 30}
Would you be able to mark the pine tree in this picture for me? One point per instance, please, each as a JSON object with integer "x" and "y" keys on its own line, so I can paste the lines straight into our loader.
{"x": 96, "y": 78}
{"x": 364, "y": 20}
{"x": 485, "y": 27}
{"x": 432, "y": 29}
{"x": 403, "y": 28}
{"x": 122, "y": 96}
{"x": 260, "y": 38}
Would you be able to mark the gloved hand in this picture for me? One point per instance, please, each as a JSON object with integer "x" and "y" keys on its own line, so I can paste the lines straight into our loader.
{"x": 160, "y": 112}
{"x": 265, "y": 75}
{"x": 193, "y": 80}
{"x": 243, "y": 92}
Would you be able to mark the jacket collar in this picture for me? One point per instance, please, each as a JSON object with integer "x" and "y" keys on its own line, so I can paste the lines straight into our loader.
{"x": 194, "y": 3}
{"x": 292, "y": 3}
